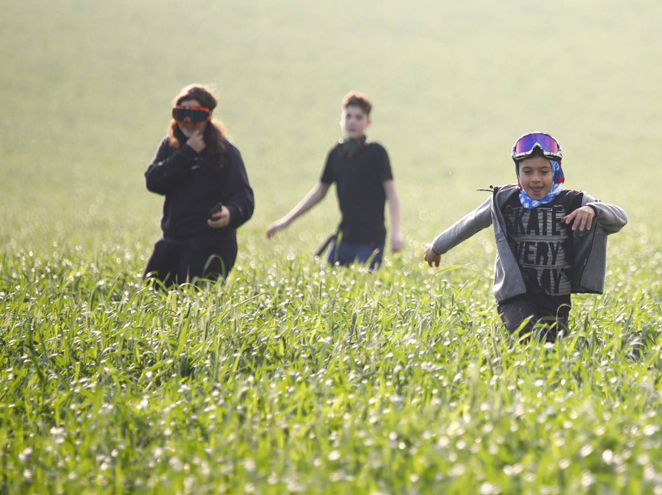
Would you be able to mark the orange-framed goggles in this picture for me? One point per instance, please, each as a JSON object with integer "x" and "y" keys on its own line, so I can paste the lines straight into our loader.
{"x": 191, "y": 115}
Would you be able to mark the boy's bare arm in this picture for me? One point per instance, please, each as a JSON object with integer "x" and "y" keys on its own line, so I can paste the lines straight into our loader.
{"x": 314, "y": 196}
{"x": 394, "y": 208}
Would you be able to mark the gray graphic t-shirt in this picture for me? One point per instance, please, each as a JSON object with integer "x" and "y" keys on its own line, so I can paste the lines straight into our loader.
{"x": 542, "y": 244}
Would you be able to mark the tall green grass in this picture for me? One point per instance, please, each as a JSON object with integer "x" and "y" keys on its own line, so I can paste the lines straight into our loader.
{"x": 305, "y": 379}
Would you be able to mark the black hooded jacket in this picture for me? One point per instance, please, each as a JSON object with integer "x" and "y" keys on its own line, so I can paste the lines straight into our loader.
{"x": 192, "y": 187}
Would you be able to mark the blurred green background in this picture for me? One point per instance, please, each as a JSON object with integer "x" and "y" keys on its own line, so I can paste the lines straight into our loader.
{"x": 87, "y": 86}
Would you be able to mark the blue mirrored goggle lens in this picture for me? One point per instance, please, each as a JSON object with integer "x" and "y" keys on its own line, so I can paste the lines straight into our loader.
{"x": 525, "y": 144}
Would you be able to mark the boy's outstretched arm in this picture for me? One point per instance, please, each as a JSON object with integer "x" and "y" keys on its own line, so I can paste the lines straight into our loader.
{"x": 394, "y": 208}
{"x": 314, "y": 196}
{"x": 460, "y": 231}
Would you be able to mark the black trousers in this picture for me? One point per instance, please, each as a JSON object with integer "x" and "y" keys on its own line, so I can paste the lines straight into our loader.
{"x": 543, "y": 321}
{"x": 178, "y": 262}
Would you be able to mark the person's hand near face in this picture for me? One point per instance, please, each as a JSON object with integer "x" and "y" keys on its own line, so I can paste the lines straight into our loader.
{"x": 193, "y": 131}
{"x": 197, "y": 141}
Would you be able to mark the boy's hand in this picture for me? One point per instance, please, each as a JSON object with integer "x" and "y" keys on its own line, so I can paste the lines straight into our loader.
{"x": 275, "y": 227}
{"x": 582, "y": 217}
{"x": 220, "y": 219}
{"x": 396, "y": 242}
{"x": 196, "y": 141}
{"x": 431, "y": 257}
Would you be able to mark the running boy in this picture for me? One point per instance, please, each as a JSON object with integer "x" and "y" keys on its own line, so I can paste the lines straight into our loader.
{"x": 364, "y": 181}
{"x": 550, "y": 242}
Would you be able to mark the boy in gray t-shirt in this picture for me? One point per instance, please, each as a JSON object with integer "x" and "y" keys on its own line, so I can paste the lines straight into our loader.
{"x": 550, "y": 242}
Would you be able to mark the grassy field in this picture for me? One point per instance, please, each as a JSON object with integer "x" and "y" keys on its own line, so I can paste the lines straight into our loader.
{"x": 292, "y": 377}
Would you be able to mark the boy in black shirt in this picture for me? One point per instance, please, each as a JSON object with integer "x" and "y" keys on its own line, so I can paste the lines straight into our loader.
{"x": 364, "y": 181}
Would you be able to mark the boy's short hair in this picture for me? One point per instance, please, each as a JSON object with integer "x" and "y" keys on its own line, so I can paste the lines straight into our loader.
{"x": 354, "y": 98}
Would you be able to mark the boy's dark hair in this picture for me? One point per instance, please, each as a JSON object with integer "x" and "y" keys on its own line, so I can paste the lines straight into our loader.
{"x": 354, "y": 98}
{"x": 537, "y": 151}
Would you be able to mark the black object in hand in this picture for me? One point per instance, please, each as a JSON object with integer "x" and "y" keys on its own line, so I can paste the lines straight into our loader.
{"x": 215, "y": 209}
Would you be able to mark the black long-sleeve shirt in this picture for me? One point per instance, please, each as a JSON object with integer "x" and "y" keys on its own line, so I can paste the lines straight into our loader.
{"x": 192, "y": 189}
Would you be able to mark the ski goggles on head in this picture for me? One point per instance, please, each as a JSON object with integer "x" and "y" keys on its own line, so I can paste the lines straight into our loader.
{"x": 191, "y": 115}
{"x": 525, "y": 146}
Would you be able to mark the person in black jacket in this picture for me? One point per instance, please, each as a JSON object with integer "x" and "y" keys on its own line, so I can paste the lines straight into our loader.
{"x": 207, "y": 194}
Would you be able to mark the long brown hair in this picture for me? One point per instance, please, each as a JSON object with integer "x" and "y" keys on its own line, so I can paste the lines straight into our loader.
{"x": 214, "y": 134}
